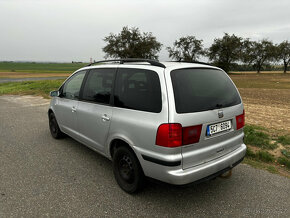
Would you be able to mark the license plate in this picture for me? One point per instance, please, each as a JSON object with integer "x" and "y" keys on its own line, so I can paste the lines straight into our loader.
{"x": 218, "y": 127}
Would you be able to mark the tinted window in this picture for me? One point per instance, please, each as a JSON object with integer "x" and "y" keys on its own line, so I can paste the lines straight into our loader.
{"x": 202, "y": 89}
{"x": 138, "y": 89}
{"x": 71, "y": 88}
{"x": 98, "y": 86}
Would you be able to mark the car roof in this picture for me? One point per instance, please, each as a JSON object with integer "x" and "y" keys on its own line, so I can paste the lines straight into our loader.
{"x": 170, "y": 65}
{"x": 182, "y": 64}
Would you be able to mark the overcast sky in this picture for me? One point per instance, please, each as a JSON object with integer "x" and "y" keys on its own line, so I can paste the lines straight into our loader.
{"x": 70, "y": 30}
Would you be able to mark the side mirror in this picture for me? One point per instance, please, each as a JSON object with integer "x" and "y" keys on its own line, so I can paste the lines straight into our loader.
{"x": 54, "y": 93}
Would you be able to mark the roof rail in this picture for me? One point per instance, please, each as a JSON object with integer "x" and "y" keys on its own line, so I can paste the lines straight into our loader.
{"x": 194, "y": 62}
{"x": 127, "y": 60}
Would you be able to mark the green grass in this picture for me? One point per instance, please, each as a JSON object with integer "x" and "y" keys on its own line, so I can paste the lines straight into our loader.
{"x": 32, "y": 67}
{"x": 262, "y": 158}
{"x": 284, "y": 140}
{"x": 284, "y": 161}
{"x": 286, "y": 153}
{"x": 265, "y": 156}
{"x": 260, "y": 165}
{"x": 250, "y": 153}
{"x": 253, "y": 162}
{"x": 272, "y": 169}
{"x": 42, "y": 87}
{"x": 255, "y": 137}
{"x": 258, "y": 127}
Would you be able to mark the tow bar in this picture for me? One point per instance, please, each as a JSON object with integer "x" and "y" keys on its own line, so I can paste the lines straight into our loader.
{"x": 226, "y": 175}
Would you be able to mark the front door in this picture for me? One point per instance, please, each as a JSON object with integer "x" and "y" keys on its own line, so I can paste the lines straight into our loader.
{"x": 67, "y": 104}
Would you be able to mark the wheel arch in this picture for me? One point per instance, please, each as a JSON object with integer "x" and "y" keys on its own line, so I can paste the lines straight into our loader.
{"x": 117, "y": 142}
{"x": 50, "y": 111}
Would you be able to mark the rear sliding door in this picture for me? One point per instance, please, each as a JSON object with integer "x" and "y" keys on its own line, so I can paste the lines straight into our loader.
{"x": 94, "y": 112}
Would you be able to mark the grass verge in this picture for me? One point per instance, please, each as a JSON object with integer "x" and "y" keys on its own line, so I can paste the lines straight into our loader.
{"x": 12, "y": 75}
{"x": 257, "y": 136}
{"x": 261, "y": 165}
{"x": 266, "y": 151}
{"x": 284, "y": 140}
{"x": 42, "y": 87}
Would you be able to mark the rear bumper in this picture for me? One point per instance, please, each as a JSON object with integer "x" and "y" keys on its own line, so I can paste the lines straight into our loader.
{"x": 177, "y": 176}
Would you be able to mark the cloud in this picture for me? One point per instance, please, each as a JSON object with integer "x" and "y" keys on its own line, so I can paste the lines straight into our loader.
{"x": 50, "y": 30}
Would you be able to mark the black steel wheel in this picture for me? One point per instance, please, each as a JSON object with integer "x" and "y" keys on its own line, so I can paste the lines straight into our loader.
{"x": 127, "y": 170}
{"x": 54, "y": 128}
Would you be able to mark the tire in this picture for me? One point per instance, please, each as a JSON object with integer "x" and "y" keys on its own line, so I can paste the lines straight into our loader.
{"x": 54, "y": 128}
{"x": 127, "y": 170}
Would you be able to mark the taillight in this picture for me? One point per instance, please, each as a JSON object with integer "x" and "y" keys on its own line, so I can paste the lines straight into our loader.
{"x": 191, "y": 134}
{"x": 174, "y": 135}
{"x": 169, "y": 135}
{"x": 240, "y": 120}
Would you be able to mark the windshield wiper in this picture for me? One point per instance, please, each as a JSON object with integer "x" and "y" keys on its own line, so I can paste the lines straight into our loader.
{"x": 218, "y": 105}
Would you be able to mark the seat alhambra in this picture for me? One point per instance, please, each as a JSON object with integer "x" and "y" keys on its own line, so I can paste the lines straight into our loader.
{"x": 175, "y": 122}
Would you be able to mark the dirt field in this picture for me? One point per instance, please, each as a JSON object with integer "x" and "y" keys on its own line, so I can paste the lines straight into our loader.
{"x": 267, "y": 107}
{"x": 255, "y": 72}
{"x": 266, "y": 99}
{"x": 30, "y": 75}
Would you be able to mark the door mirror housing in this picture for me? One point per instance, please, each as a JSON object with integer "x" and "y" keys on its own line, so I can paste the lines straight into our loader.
{"x": 54, "y": 93}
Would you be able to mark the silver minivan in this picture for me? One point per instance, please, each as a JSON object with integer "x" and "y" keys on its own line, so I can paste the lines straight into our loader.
{"x": 175, "y": 122}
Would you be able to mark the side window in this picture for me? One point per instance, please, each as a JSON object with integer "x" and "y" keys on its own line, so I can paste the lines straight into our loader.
{"x": 71, "y": 88}
{"x": 98, "y": 86}
{"x": 138, "y": 89}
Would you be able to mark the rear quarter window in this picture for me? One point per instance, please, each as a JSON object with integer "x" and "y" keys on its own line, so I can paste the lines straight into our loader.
{"x": 202, "y": 89}
{"x": 138, "y": 89}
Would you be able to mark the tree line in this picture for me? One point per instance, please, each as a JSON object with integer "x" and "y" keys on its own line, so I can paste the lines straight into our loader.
{"x": 229, "y": 52}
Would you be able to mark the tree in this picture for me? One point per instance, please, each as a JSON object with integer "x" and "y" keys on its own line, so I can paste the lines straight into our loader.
{"x": 258, "y": 53}
{"x": 283, "y": 53}
{"x": 226, "y": 51}
{"x": 131, "y": 43}
{"x": 186, "y": 49}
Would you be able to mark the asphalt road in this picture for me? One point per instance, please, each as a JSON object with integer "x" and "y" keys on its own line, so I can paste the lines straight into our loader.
{"x": 41, "y": 176}
{"x": 7, "y": 80}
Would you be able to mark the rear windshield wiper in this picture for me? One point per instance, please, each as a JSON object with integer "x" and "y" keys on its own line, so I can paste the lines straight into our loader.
{"x": 218, "y": 106}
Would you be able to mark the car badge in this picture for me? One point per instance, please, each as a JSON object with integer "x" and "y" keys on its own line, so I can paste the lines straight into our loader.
{"x": 220, "y": 114}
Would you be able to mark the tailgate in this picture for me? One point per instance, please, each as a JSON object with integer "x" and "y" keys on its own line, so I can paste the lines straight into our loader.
{"x": 207, "y": 98}
{"x": 215, "y": 145}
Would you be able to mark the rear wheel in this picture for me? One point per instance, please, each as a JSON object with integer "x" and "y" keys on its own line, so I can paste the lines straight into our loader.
{"x": 54, "y": 128}
{"x": 127, "y": 170}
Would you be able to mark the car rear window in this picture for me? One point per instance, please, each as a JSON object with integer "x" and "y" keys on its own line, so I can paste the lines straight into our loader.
{"x": 138, "y": 89}
{"x": 203, "y": 89}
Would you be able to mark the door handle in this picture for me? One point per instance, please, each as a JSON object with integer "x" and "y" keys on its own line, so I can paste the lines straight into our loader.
{"x": 105, "y": 117}
{"x": 73, "y": 109}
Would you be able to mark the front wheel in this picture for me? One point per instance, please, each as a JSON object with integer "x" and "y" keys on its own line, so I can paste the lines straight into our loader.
{"x": 54, "y": 128}
{"x": 127, "y": 170}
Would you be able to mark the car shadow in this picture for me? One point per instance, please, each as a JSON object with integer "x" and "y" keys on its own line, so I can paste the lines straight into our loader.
{"x": 152, "y": 187}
